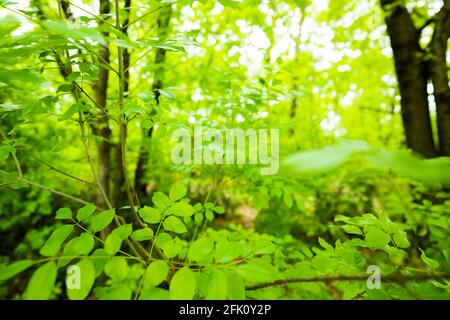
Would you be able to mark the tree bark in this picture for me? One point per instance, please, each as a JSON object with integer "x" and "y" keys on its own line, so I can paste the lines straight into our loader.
{"x": 439, "y": 76}
{"x": 160, "y": 57}
{"x": 412, "y": 76}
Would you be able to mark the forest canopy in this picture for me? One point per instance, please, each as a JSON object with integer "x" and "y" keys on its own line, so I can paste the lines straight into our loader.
{"x": 224, "y": 149}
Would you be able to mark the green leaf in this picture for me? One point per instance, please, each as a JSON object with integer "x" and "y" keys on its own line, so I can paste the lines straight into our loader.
{"x": 154, "y": 294}
{"x": 150, "y": 215}
{"x": 218, "y": 210}
{"x": 428, "y": 261}
{"x": 183, "y": 285}
{"x": 172, "y": 247}
{"x": 165, "y": 93}
{"x": 118, "y": 292}
{"x": 87, "y": 278}
{"x": 142, "y": 234}
{"x": 324, "y": 159}
{"x": 263, "y": 247}
{"x": 85, "y": 212}
{"x": 256, "y": 271}
{"x": 53, "y": 244}
{"x": 174, "y": 224}
{"x": 325, "y": 245}
{"x": 74, "y": 31}
{"x": 401, "y": 239}
{"x": 209, "y": 215}
{"x": 156, "y": 273}
{"x": 236, "y": 286}
{"x": 15, "y": 268}
{"x": 100, "y": 258}
{"x": 114, "y": 240}
{"x": 161, "y": 200}
{"x": 226, "y": 251}
{"x": 117, "y": 268}
{"x": 124, "y": 231}
{"x": 231, "y": 3}
{"x": 68, "y": 253}
{"x": 198, "y": 217}
{"x": 352, "y": 229}
{"x": 200, "y": 250}
{"x": 83, "y": 244}
{"x": 102, "y": 220}
{"x": 67, "y": 87}
{"x": 376, "y": 238}
{"x": 177, "y": 191}
{"x": 217, "y": 288}
{"x": 24, "y": 76}
{"x": 63, "y": 214}
{"x": 162, "y": 238}
{"x": 42, "y": 281}
{"x": 112, "y": 243}
{"x": 181, "y": 209}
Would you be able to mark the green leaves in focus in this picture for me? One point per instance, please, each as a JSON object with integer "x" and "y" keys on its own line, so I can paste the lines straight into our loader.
{"x": 183, "y": 285}
{"x": 85, "y": 212}
{"x": 53, "y": 244}
{"x": 102, "y": 220}
{"x": 42, "y": 282}
{"x": 156, "y": 273}
{"x": 15, "y": 268}
{"x": 79, "y": 288}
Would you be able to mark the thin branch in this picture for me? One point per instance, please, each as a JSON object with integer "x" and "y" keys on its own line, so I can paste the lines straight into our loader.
{"x": 398, "y": 278}
{"x": 146, "y": 14}
{"x": 89, "y": 158}
{"x": 138, "y": 58}
{"x": 62, "y": 172}
{"x": 60, "y": 193}
{"x": 90, "y": 13}
{"x": 426, "y": 24}
{"x": 93, "y": 101}
{"x": 123, "y": 120}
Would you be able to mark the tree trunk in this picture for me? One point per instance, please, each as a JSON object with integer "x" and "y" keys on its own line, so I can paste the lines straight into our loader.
{"x": 439, "y": 76}
{"x": 412, "y": 77}
{"x": 160, "y": 57}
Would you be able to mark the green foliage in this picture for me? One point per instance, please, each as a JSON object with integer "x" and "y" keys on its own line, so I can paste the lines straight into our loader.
{"x": 42, "y": 281}
{"x": 183, "y": 285}
{"x": 88, "y": 188}
{"x": 87, "y": 272}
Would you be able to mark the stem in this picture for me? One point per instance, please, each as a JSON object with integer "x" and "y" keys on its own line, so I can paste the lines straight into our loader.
{"x": 60, "y": 193}
{"x": 391, "y": 278}
{"x": 89, "y": 158}
{"x": 123, "y": 121}
{"x": 61, "y": 172}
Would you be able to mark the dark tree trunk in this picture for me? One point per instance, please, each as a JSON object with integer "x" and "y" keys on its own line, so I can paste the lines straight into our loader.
{"x": 439, "y": 76}
{"x": 160, "y": 57}
{"x": 412, "y": 77}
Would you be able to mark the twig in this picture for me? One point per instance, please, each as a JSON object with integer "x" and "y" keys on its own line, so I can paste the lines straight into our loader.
{"x": 62, "y": 172}
{"x": 90, "y": 161}
{"x": 94, "y": 15}
{"x": 122, "y": 122}
{"x": 40, "y": 186}
{"x": 398, "y": 278}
